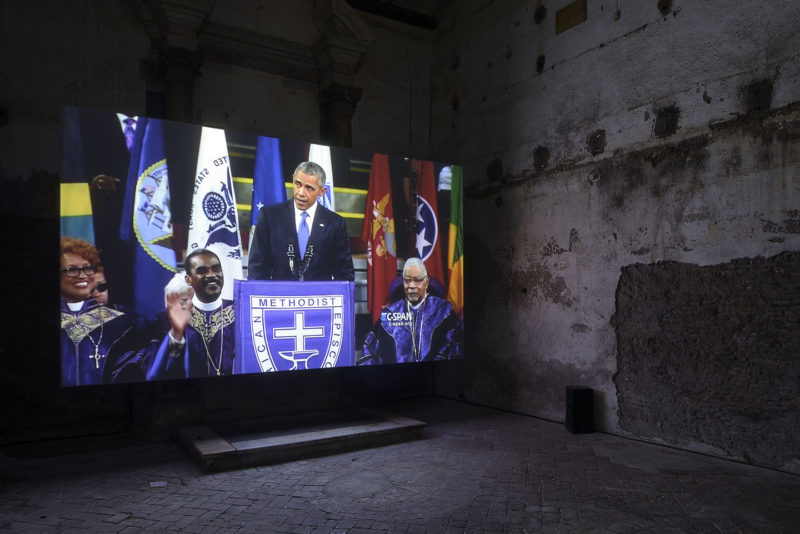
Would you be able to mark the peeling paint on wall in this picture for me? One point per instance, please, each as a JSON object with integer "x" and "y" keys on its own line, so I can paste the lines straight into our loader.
{"x": 543, "y": 283}
{"x": 790, "y": 225}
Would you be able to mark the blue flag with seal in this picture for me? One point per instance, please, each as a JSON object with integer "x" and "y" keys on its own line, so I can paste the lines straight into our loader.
{"x": 291, "y": 326}
{"x": 147, "y": 218}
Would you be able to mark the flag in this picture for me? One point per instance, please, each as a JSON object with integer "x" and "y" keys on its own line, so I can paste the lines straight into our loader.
{"x": 427, "y": 223}
{"x": 268, "y": 186}
{"x": 214, "y": 221}
{"x": 321, "y": 155}
{"x": 455, "y": 248}
{"x": 75, "y": 200}
{"x": 378, "y": 234}
{"x": 147, "y": 219}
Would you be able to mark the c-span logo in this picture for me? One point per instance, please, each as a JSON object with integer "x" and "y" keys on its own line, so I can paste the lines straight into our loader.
{"x": 397, "y": 319}
{"x": 297, "y": 332}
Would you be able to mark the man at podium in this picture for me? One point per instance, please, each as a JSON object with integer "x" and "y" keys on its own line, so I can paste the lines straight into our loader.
{"x": 300, "y": 239}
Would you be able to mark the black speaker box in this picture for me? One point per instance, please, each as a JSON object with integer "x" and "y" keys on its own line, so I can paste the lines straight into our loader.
{"x": 580, "y": 410}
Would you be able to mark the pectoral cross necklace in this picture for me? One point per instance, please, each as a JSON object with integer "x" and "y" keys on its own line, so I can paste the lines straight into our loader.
{"x": 416, "y": 344}
{"x": 97, "y": 356}
{"x": 218, "y": 367}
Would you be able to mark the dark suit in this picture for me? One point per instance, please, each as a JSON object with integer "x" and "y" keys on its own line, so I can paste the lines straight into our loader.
{"x": 276, "y": 231}
{"x": 104, "y": 152}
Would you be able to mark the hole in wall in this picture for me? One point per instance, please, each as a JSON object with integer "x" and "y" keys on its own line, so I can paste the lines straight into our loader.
{"x": 667, "y": 121}
{"x": 539, "y": 14}
{"x": 541, "y": 157}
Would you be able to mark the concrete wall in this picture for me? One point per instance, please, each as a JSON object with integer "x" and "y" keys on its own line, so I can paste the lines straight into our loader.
{"x": 55, "y": 53}
{"x": 650, "y": 131}
{"x": 398, "y": 91}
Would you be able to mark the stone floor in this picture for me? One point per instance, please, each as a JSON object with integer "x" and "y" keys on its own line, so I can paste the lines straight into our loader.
{"x": 474, "y": 470}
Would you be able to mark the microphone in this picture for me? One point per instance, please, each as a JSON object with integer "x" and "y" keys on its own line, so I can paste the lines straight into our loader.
{"x": 290, "y": 255}
{"x": 304, "y": 262}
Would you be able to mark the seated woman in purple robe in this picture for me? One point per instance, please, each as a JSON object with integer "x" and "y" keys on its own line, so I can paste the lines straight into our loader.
{"x": 93, "y": 337}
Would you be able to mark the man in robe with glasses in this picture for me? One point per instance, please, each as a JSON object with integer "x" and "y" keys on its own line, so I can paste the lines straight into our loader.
{"x": 419, "y": 327}
{"x": 94, "y": 337}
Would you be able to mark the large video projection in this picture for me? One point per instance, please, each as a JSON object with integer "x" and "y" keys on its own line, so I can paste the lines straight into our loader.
{"x": 190, "y": 251}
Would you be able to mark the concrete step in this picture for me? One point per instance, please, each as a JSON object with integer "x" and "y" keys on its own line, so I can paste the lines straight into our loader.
{"x": 226, "y": 446}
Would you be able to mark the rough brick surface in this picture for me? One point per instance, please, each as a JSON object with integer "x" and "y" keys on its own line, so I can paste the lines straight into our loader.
{"x": 705, "y": 352}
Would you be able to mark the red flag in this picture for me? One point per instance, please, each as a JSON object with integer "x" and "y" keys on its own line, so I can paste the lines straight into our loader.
{"x": 427, "y": 223}
{"x": 378, "y": 233}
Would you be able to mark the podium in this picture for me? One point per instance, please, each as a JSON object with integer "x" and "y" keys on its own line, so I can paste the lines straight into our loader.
{"x": 290, "y": 326}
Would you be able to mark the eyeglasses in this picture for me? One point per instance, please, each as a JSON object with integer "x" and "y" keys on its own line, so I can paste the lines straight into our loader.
{"x": 419, "y": 280}
{"x": 75, "y": 272}
{"x": 101, "y": 287}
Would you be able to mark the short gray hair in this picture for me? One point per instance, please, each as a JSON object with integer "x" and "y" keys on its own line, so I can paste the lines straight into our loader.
{"x": 176, "y": 286}
{"x": 312, "y": 169}
{"x": 415, "y": 262}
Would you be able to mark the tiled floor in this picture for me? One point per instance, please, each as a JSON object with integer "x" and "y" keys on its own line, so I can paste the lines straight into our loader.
{"x": 475, "y": 470}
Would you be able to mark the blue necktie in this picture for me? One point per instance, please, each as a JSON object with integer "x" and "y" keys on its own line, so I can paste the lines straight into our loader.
{"x": 302, "y": 234}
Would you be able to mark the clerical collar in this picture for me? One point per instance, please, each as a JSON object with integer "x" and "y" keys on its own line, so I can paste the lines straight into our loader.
{"x": 75, "y": 306}
{"x": 206, "y": 306}
{"x": 418, "y": 304}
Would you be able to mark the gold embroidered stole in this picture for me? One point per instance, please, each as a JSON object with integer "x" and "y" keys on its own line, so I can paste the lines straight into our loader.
{"x": 79, "y": 326}
{"x": 216, "y": 322}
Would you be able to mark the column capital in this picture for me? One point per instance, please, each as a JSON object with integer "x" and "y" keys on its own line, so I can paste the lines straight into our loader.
{"x": 343, "y": 41}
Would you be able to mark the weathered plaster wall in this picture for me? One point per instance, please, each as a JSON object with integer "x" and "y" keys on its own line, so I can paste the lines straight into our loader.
{"x": 89, "y": 54}
{"x": 652, "y": 131}
{"x": 250, "y": 101}
{"x": 55, "y": 53}
{"x": 398, "y": 91}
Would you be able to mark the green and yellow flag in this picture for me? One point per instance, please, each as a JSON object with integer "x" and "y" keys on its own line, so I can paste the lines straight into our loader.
{"x": 455, "y": 249}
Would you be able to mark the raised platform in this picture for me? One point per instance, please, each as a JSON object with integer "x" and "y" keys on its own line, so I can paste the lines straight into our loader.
{"x": 280, "y": 439}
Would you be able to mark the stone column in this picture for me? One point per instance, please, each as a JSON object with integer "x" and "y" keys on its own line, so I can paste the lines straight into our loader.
{"x": 337, "y": 105}
{"x": 180, "y": 68}
{"x": 338, "y": 53}
{"x": 174, "y": 62}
